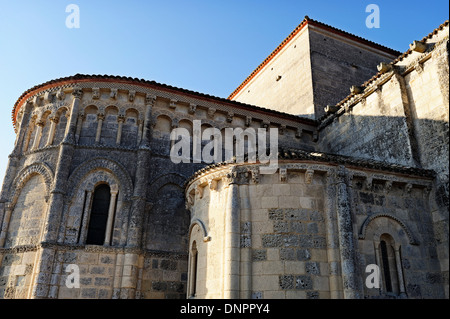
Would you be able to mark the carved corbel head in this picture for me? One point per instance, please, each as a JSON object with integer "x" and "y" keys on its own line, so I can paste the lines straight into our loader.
{"x": 230, "y": 116}
{"x": 212, "y": 183}
{"x": 369, "y": 182}
{"x": 408, "y": 188}
{"x": 388, "y": 186}
{"x": 48, "y": 97}
{"x": 211, "y": 112}
{"x": 248, "y": 121}
{"x": 150, "y": 99}
{"x": 113, "y": 93}
{"x": 60, "y": 94}
{"x": 192, "y": 108}
{"x": 131, "y": 95}
{"x": 77, "y": 92}
{"x": 283, "y": 175}
{"x": 173, "y": 103}
{"x": 95, "y": 93}
{"x": 199, "y": 191}
{"x": 309, "y": 174}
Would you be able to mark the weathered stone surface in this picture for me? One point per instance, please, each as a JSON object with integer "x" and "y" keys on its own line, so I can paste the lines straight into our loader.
{"x": 364, "y": 184}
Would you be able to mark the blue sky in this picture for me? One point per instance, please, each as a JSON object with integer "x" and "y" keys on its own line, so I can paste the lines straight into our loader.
{"x": 205, "y": 46}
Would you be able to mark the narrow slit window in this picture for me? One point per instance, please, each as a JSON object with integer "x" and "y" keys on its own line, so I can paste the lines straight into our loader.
{"x": 386, "y": 270}
{"x": 194, "y": 266}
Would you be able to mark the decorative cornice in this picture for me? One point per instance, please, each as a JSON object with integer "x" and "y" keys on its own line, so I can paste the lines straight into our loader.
{"x": 385, "y": 72}
{"x": 141, "y": 87}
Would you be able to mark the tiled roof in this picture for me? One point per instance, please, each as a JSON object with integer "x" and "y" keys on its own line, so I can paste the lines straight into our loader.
{"x": 312, "y": 22}
{"x": 123, "y": 79}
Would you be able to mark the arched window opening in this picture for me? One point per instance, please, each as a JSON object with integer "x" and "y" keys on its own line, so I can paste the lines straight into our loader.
{"x": 389, "y": 264}
{"x": 193, "y": 272}
{"x": 99, "y": 215}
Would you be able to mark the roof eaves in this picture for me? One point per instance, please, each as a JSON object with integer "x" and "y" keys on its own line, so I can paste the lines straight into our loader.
{"x": 81, "y": 77}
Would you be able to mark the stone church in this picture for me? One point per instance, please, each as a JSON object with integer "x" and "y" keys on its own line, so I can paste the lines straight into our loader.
{"x": 92, "y": 206}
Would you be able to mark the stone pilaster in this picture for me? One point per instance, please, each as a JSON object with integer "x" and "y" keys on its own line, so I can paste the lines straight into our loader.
{"x": 43, "y": 268}
{"x": 346, "y": 239}
{"x": 13, "y": 161}
{"x": 138, "y": 204}
{"x": 333, "y": 252}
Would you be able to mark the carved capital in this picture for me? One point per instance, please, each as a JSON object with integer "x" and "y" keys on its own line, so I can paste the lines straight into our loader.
{"x": 230, "y": 178}
{"x": 55, "y": 119}
{"x": 255, "y": 174}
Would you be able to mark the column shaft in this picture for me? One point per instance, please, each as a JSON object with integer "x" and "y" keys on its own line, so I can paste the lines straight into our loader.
{"x": 232, "y": 236}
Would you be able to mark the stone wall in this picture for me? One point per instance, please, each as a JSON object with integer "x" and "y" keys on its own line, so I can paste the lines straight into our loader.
{"x": 337, "y": 64}
{"x": 69, "y": 143}
{"x": 404, "y": 214}
{"x": 310, "y": 231}
{"x": 374, "y": 128}
{"x": 16, "y": 269}
{"x": 285, "y": 83}
{"x": 401, "y": 116}
{"x": 312, "y": 69}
